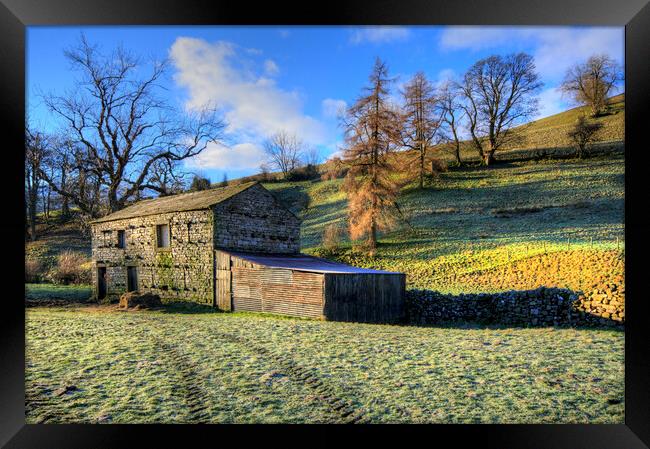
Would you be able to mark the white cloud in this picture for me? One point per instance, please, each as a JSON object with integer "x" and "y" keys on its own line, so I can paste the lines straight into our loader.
{"x": 473, "y": 37}
{"x": 379, "y": 34}
{"x": 446, "y": 75}
{"x": 238, "y": 157}
{"x": 560, "y": 48}
{"x": 550, "y": 102}
{"x": 554, "y": 48}
{"x": 254, "y": 106}
{"x": 333, "y": 107}
{"x": 336, "y": 149}
{"x": 271, "y": 68}
{"x": 284, "y": 33}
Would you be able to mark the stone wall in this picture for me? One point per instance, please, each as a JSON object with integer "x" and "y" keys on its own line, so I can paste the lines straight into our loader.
{"x": 181, "y": 272}
{"x": 539, "y": 307}
{"x": 254, "y": 221}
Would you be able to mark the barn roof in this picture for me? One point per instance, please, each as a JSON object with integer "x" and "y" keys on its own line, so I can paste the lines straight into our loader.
{"x": 178, "y": 203}
{"x": 303, "y": 262}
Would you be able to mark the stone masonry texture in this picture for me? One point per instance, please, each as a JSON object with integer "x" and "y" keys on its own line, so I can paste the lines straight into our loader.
{"x": 251, "y": 221}
{"x": 540, "y": 307}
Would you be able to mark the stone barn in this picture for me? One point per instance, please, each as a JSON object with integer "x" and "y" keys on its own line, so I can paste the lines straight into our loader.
{"x": 235, "y": 248}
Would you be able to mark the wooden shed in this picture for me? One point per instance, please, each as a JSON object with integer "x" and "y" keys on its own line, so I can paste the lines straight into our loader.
{"x": 301, "y": 285}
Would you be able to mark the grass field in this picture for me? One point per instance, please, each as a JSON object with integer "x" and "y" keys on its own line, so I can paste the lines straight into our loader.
{"x": 41, "y": 293}
{"x": 95, "y": 364}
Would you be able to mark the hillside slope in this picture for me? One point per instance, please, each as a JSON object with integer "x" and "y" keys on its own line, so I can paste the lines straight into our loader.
{"x": 476, "y": 221}
{"x": 551, "y": 132}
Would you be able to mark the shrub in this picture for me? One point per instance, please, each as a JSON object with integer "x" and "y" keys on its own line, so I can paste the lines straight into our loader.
{"x": 33, "y": 270}
{"x": 306, "y": 173}
{"x": 334, "y": 169}
{"x": 71, "y": 268}
{"x": 438, "y": 166}
{"x": 332, "y": 236}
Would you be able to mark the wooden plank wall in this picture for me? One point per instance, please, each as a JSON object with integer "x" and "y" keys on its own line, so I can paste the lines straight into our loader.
{"x": 223, "y": 282}
{"x": 366, "y": 298}
{"x": 274, "y": 290}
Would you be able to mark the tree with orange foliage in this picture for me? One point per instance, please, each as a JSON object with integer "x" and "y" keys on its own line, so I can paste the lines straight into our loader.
{"x": 372, "y": 133}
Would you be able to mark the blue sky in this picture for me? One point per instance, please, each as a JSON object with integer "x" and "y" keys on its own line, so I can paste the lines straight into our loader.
{"x": 296, "y": 78}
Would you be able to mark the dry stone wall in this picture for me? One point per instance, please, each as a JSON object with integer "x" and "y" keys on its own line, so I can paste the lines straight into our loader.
{"x": 183, "y": 271}
{"x": 254, "y": 221}
{"x": 539, "y": 307}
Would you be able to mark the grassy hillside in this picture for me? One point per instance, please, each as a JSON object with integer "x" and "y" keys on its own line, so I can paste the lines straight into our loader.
{"x": 477, "y": 221}
{"x": 98, "y": 365}
{"x": 54, "y": 237}
{"x": 551, "y": 132}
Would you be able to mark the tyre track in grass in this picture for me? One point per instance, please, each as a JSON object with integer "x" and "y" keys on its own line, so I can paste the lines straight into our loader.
{"x": 188, "y": 381}
{"x": 342, "y": 410}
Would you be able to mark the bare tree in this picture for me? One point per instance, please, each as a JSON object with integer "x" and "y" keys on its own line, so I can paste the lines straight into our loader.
{"x": 224, "y": 181}
{"x": 37, "y": 149}
{"x": 372, "y": 134}
{"x": 451, "y": 116}
{"x": 421, "y": 122}
{"x": 125, "y": 132}
{"x": 62, "y": 161}
{"x": 265, "y": 171}
{"x": 166, "y": 178}
{"x": 285, "y": 151}
{"x": 311, "y": 156}
{"x": 499, "y": 95}
{"x": 591, "y": 82}
{"x": 582, "y": 134}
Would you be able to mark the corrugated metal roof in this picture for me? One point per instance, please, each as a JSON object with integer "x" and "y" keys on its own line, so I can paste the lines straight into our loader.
{"x": 303, "y": 262}
{"x": 177, "y": 203}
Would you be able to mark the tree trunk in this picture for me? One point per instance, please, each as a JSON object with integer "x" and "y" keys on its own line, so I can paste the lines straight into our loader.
{"x": 458, "y": 160}
{"x": 488, "y": 157}
{"x": 421, "y": 168}
{"x": 48, "y": 203}
{"x": 44, "y": 205}
{"x": 32, "y": 217}
{"x": 113, "y": 203}
{"x": 372, "y": 237}
{"x": 65, "y": 208}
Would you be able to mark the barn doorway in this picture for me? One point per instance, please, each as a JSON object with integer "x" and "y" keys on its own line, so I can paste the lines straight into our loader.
{"x": 101, "y": 282}
{"x": 131, "y": 279}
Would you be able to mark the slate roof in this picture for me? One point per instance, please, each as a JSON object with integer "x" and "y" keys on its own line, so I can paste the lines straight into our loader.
{"x": 303, "y": 262}
{"x": 178, "y": 203}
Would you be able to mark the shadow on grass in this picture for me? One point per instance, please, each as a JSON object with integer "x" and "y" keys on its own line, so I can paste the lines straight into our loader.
{"x": 186, "y": 307}
{"x": 477, "y": 325}
{"x": 293, "y": 198}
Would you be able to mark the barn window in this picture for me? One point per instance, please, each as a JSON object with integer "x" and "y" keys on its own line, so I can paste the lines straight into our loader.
{"x": 162, "y": 235}
{"x": 121, "y": 242}
{"x": 106, "y": 238}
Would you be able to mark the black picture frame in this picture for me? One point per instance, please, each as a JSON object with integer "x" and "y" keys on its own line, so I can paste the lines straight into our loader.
{"x": 15, "y": 15}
